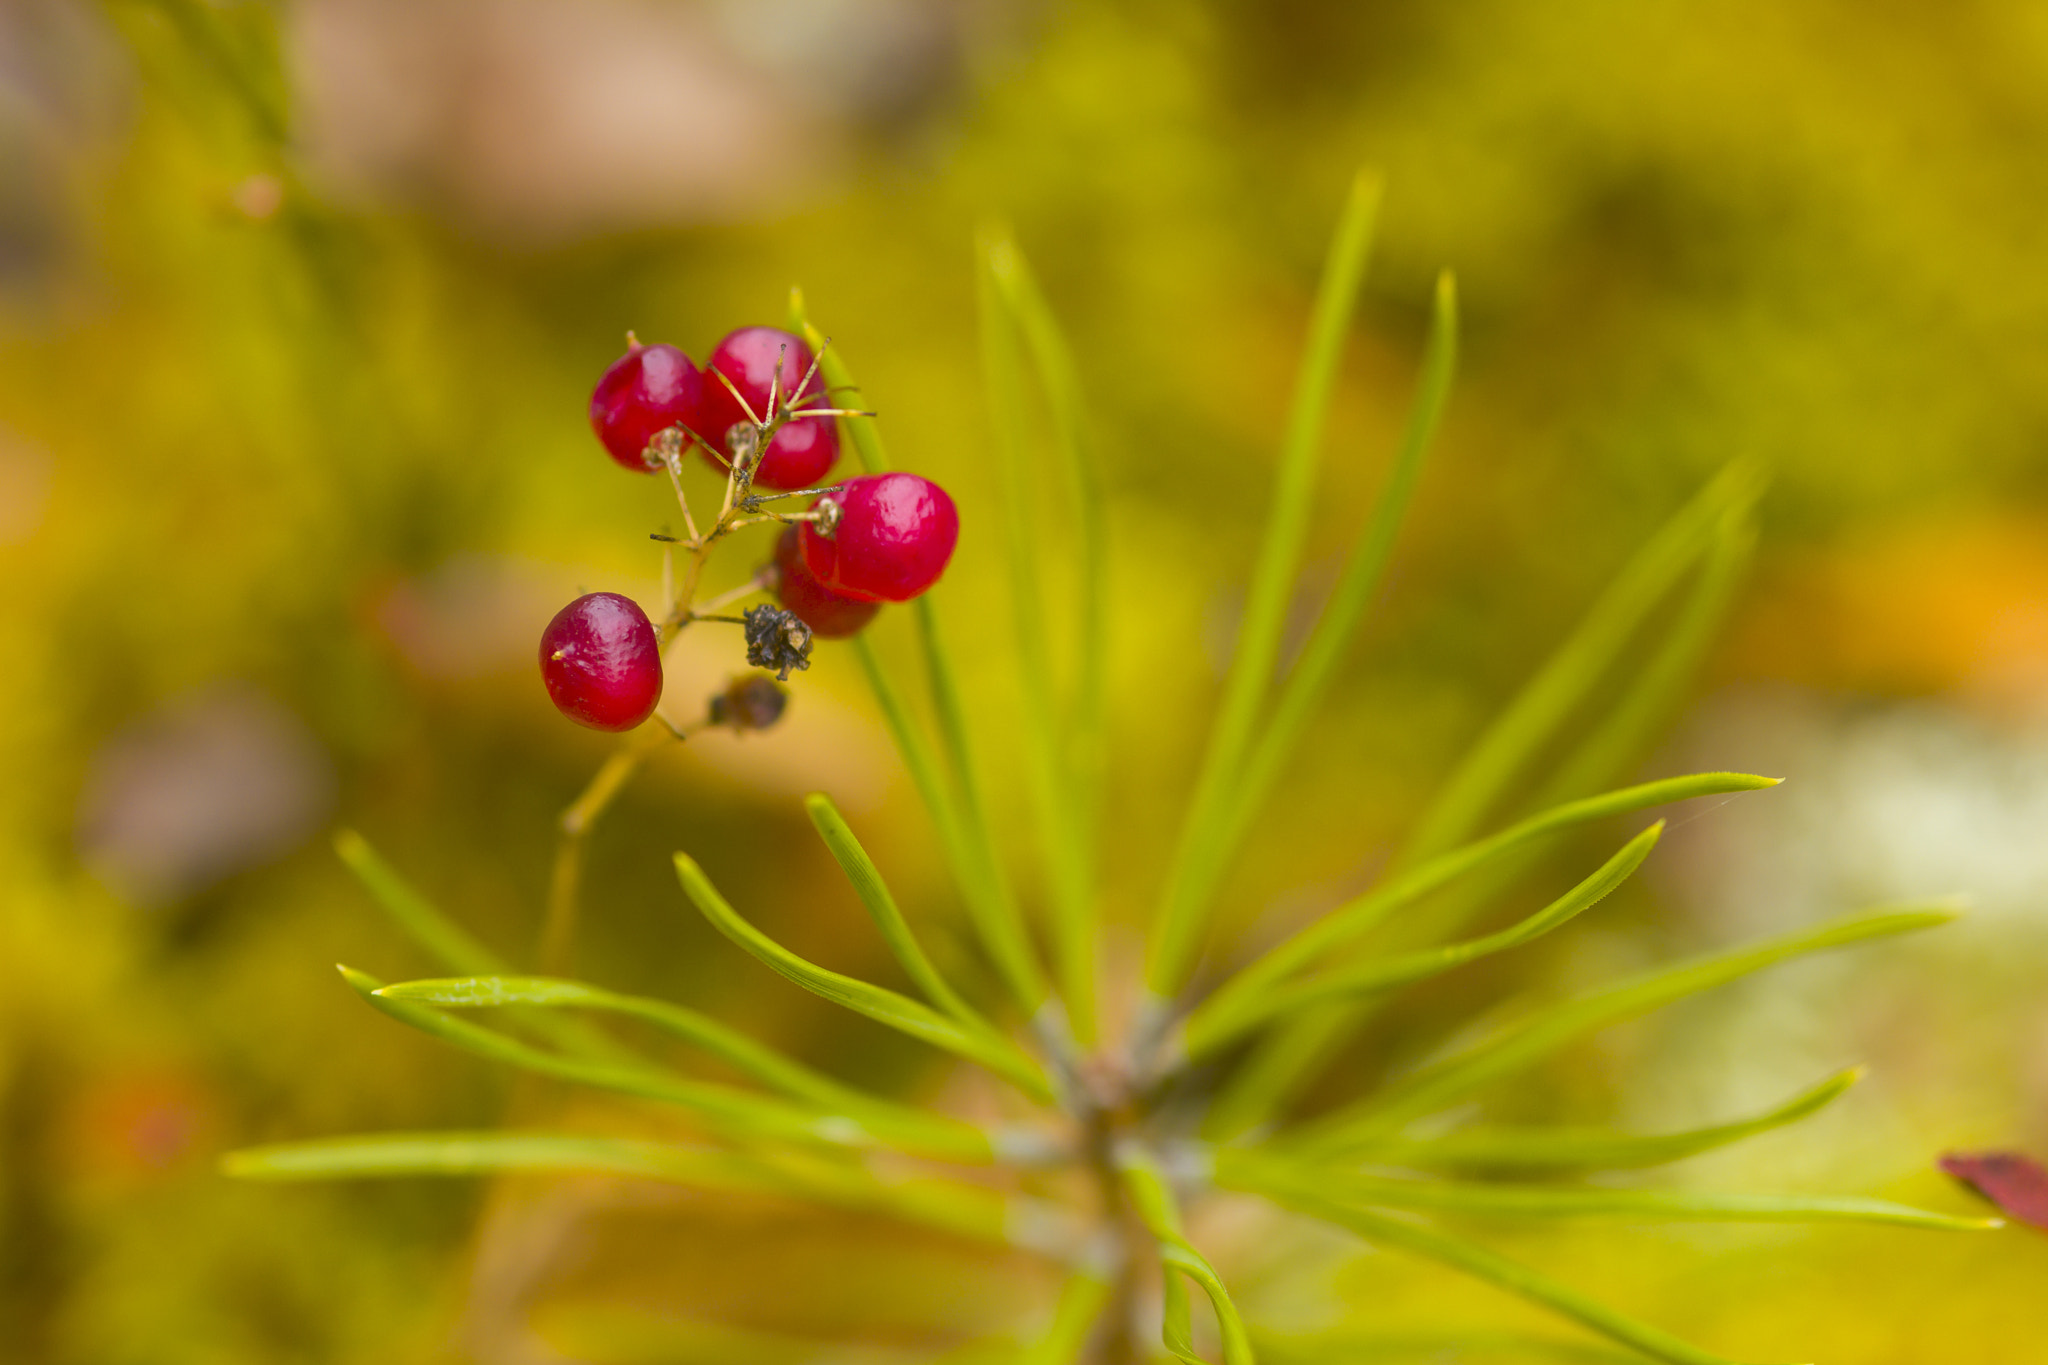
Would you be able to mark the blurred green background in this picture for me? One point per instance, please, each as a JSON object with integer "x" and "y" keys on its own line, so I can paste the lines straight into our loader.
{"x": 300, "y": 305}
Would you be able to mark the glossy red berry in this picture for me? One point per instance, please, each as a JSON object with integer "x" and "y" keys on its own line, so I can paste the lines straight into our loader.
{"x": 806, "y": 448}
{"x": 817, "y": 606}
{"x": 646, "y": 390}
{"x": 601, "y": 662}
{"x": 891, "y": 539}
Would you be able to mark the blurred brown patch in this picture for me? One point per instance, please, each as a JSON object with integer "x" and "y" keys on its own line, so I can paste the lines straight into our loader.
{"x": 551, "y": 118}
{"x": 1957, "y": 605}
{"x": 137, "y": 1124}
{"x": 215, "y": 782}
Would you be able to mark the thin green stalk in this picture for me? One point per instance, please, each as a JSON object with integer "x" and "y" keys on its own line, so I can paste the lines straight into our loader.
{"x": 1275, "y": 1069}
{"x": 867, "y": 883}
{"x": 884, "y": 1006}
{"x": 1205, "y": 1030}
{"x": 1178, "y": 932}
{"x": 1016, "y": 957}
{"x": 1059, "y": 377}
{"x": 952, "y": 1206}
{"x": 1594, "y": 1149}
{"x": 1569, "y": 675}
{"x": 962, "y": 824}
{"x": 991, "y": 916}
{"x": 1152, "y": 1199}
{"x": 1655, "y": 691}
{"x": 1522, "y": 1044}
{"x": 1497, "y": 1270}
{"x": 1053, "y": 790}
{"x": 457, "y": 950}
{"x": 1322, "y": 938}
{"x": 1366, "y": 1347}
{"x": 934, "y": 1134}
{"x": 1353, "y": 1189}
{"x": 1286, "y": 1059}
{"x": 727, "y": 1109}
{"x": 494, "y": 1151}
{"x": 442, "y": 938}
{"x": 1082, "y": 1300}
{"x": 1309, "y": 680}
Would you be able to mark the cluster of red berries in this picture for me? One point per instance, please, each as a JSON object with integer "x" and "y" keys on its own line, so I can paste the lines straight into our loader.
{"x": 652, "y": 388}
{"x": 760, "y": 412}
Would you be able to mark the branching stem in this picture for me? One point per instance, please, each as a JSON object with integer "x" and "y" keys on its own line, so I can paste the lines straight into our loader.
{"x": 558, "y": 929}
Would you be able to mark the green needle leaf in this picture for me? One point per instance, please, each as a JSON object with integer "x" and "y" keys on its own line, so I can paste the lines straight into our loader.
{"x": 1288, "y": 1058}
{"x": 1059, "y": 377}
{"x": 963, "y": 828}
{"x": 966, "y": 1210}
{"x": 881, "y": 906}
{"x": 726, "y": 1108}
{"x": 491, "y": 1152}
{"x": 1625, "y": 729}
{"x": 1592, "y": 1149}
{"x": 1521, "y": 1045}
{"x": 1246, "y": 1171}
{"x": 447, "y": 942}
{"x": 1010, "y": 945}
{"x": 905, "y": 1127}
{"x": 1499, "y": 1271}
{"x": 1152, "y": 1199}
{"x": 1433, "y": 1348}
{"x": 1570, "y": 674}
{"x": 1183, "y": 914}
{"x": 1310, "y": 678}
{"x": 442, "y": 938}
{"x": 983, "y": 898}
{"x": 1363, "y": 913}
{"x": 884, "y": 1006}
{"x": 1060, "y": 809}
{"x": 1082, "y": 1299}
{"x": 1205, "y": 1031}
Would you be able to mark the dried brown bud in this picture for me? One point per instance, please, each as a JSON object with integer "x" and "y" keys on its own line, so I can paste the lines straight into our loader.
{"x": 777, "y": 639}
{"x": 749, "y": 703}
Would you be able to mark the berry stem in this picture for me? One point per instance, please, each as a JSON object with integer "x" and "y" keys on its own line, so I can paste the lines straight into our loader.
{"x": 753, "y": 502}
{"x": 758, "y": 583}
{"x": 558, "y": 930}
{"x": 680, "y": 608}
{"x": 738, "y": 397}
{"x": 785, "y": 518}
{"x": 672, "y": 460}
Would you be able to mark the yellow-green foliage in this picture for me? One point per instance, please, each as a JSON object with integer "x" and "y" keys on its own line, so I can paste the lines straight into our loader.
{"x": 266, "y": 449}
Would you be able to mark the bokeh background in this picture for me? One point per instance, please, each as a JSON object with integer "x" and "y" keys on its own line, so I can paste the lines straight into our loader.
{"x": 300, "y": 304}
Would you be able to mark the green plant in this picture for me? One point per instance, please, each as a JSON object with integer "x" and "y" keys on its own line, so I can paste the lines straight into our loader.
{"x": 1198, "y": 1095}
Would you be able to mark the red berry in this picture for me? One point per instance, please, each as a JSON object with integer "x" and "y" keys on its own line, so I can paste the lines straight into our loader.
{"x": 800, "y": 453}
{"x": 895, "y": 533}
{"x": 601, "y": 662}
{"x": 817, "y": 606}
{"x": 646, "y": 390}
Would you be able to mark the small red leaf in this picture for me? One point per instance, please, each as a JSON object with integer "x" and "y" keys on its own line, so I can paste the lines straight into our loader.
{"x": 2017, "y": 1184}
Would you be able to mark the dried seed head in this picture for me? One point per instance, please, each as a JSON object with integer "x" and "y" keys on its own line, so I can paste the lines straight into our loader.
{"x": 666, "y": 447}
{"x": 828, "y": 510}
{"x": 749, "y": 703}
{"x": 777, "y": 639}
